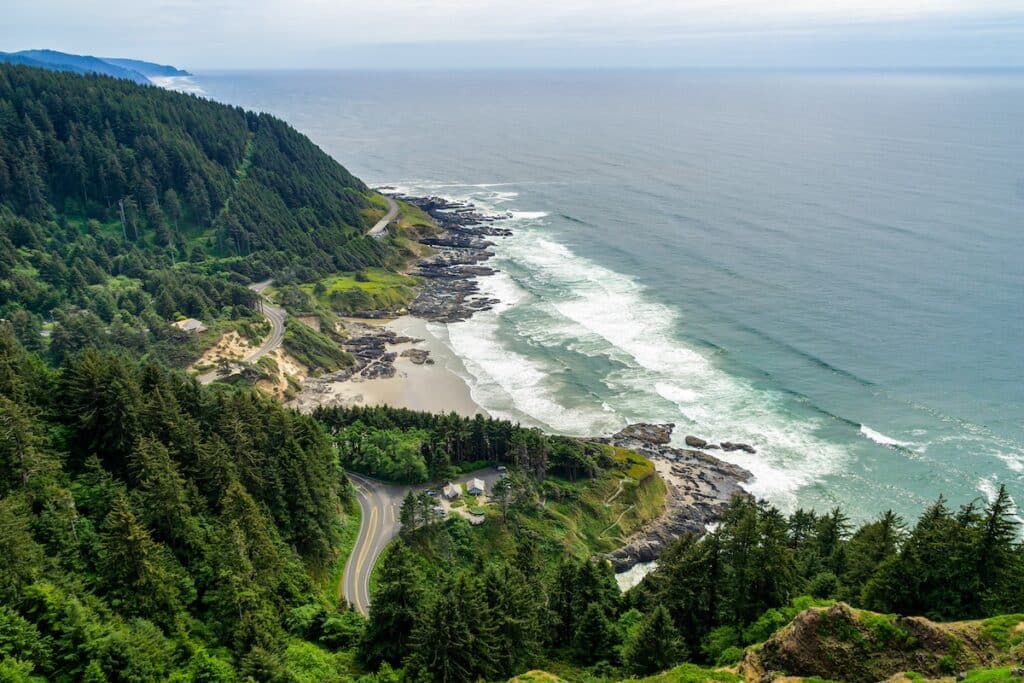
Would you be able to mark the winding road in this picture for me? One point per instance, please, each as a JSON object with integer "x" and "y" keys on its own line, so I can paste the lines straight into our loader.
{"x": 381, "y": 504}
{"x": 275, "y": 316}
{"x": 380, "y": 228}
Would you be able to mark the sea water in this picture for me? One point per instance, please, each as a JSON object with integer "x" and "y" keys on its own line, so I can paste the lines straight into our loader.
{"x": 827, "y": 266}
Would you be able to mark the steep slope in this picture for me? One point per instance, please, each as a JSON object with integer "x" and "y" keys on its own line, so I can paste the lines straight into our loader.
{"x": 123, "y": 208}
{"x": 80, "y": 64}
{"x": 147, "y": 69}
{"x": 152, "y": 529}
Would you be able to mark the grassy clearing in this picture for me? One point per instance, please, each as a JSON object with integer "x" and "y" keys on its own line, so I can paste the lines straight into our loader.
{"x": 691, "y": 673}
{"x": 686, "y": 673}
{"x": 1005, "y": 631}
{"x": 370, "y": 289}
{"x": 414, "y": 219}
{"x": 598, "y": 515}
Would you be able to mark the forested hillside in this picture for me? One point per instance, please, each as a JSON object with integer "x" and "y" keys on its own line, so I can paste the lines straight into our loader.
{"x": 123, "y": 207}
{"x": 468, "y": 615}
{"x": 150, "y": 526}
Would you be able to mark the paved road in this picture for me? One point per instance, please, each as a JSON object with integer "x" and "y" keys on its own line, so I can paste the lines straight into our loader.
{"x": 275, "y": 316}
{"x": 381, "y": 227}
{"x": 381, "y": 505}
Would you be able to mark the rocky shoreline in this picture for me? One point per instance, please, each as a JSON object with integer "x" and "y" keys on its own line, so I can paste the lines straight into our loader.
{"x": 699, "y": 485}
{"x": 699, "y": 489}
{"x": 449, "y": 291}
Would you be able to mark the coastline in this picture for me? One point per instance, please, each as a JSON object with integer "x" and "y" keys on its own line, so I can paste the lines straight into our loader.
{"x": 403, "y": 363}
{"x": 435, "y": 386}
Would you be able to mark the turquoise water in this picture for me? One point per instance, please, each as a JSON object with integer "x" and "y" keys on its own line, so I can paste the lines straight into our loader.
{"x": 827, "y": 266}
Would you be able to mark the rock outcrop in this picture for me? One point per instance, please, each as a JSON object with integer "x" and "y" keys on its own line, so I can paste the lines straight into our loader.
{"x": 699, "y": 488}
{"x": 730, "y": 446}
{"x": 846, "y": 644}
{"x": 449, "y": 291}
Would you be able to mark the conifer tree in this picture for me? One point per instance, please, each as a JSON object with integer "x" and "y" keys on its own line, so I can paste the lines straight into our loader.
{"x": 656, "y": 645}
{"x": 396, "y": 606}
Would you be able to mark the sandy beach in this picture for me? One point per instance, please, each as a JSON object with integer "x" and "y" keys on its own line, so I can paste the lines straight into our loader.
{"x": 434, "y": 387}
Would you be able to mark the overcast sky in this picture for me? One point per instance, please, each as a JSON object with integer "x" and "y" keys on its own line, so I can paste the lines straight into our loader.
{"x": 204, "y": 34}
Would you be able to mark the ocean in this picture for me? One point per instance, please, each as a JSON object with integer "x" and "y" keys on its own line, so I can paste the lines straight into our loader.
{"x": 827, "y": 266}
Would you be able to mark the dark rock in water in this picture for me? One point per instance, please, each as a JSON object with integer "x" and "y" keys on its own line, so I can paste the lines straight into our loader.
{"x": 646, "y": 433}
{"x": 695, "y": 442}
{"x": 730, "y": 446}
{"x": 449, "y": 291}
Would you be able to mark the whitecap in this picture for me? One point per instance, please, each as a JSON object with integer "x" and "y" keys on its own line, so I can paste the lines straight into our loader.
{"x": 563, "y": 299}
{"x": 527, "y": 215}
{"x": 882, "y": 439}
{"x": 634, "y": 575}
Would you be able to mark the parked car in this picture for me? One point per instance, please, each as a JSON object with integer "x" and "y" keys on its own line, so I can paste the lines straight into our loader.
{"x": 501, "y": 468}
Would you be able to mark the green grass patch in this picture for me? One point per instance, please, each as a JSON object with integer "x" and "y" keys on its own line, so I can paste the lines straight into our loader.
{"x": 997, "y": 675}
{"x": 636, "y": 466}
{"x": 1005, "y": 630}
{"x": 370, "y": 289}
{"x": 573, "y": 520}
{"x": 691, "y": 673}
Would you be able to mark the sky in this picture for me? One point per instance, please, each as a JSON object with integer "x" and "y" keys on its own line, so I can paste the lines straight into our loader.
{"x": 240, "y": 34}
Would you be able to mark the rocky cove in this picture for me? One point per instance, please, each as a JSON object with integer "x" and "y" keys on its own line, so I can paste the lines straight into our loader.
{"x": 698, "y": 485}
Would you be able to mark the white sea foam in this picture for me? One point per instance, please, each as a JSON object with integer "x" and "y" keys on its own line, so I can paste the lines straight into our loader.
{"x": 634, "y": 575}
{"x": 1014, "y": 461}
{"x": 552, "y": 298}
{"x": 882, "y": 439}
{"x": 185, "y": 84}
{"x": 528, "y": 215}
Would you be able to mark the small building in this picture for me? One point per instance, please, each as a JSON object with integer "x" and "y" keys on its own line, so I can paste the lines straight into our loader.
{"x": 451, "y": 492}
{"x": 475, "y": 487}
{"x": 190, "y": 325}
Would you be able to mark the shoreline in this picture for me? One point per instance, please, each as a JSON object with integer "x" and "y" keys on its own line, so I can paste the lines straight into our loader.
{"x": 433, "y": 386}
{"x": 402, "y": 363}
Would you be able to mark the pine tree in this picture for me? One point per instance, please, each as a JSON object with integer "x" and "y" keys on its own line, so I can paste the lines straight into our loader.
{"x": 513, "y": 610}
{"x": 139, "y": 570}
{"x": 656, "y": 645}
{"x": 592, "y": 640}
{"x": 396, "y": 606}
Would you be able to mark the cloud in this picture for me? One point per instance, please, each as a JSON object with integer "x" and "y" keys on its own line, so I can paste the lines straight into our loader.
{"x": 312, "y": 32}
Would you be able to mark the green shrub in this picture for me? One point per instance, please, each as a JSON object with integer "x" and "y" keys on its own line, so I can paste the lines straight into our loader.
{"x": 729, "y": 656}
{"x": 343, "y": 630}
{"x": 718, "y": 641}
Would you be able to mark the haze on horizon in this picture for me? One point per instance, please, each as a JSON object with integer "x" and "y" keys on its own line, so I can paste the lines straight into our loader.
{"x": 201, "y": 34}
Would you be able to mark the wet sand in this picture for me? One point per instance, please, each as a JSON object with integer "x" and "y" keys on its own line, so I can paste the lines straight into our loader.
{"x": 436, "y": 387}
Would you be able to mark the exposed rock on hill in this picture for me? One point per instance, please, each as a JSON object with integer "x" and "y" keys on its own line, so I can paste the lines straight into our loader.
{"x": 846, "y": 644}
